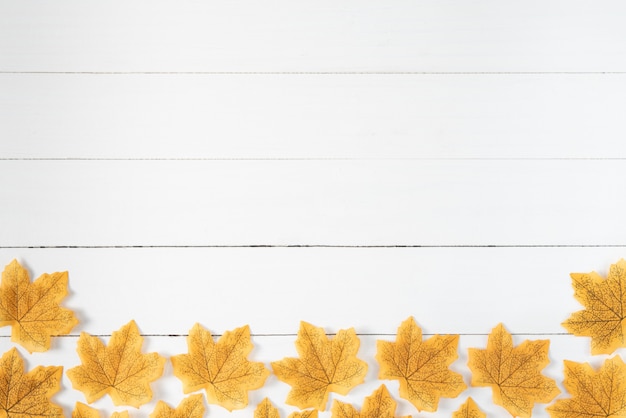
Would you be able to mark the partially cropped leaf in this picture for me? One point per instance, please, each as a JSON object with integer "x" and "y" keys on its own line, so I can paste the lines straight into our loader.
{"x": 325, "y": 365}
{"x": 267, "y": 410}
{"x": 469, "y": 410}
{"x": 83, "y": 411}
{"x": 513, "y": 373}
{"x": 28, "y": 395}
{"x": 595, "y": 394}
{"x": 119, "y": 369}
{"x": 190, "y": 407}
{"x": 32, "y": 309}
{"x": 604, "y": 316}
{"x": 379, "y": 404}
{"x": 221, "y": 368}
{"x": 421, "y": 366}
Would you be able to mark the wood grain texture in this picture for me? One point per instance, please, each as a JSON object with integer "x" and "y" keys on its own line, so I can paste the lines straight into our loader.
{"x": 282, "y": 35}
{"x": 447, "y": 290}
{"x": 312, "y": 116}
{"x": 181, "y": 203}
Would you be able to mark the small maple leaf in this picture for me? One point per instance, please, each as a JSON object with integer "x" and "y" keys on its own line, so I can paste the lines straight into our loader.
{"x": 32, "y": 309}
{"x": 379, "y": 404}
{"x": 28, "y": 395}
{"x": 604, "y": 319}
{"x": 469, "y": 410}
{"x": 597, "y": 394}
{"x": 221, "y": 368}
{"x": 190, "y": 407}
{"x": 265, "y": 409}
{"x": 514, "y": 373}
{"x": 421, "y": 366}
{"x": 325, "y": 365}
{"x": 119, "y": 369}
{"x": 83, "y": 411}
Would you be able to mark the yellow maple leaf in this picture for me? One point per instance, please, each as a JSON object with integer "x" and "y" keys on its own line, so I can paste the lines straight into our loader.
{"x": 469, "y": 410}
{"x": 379, "y": 404}
{"x": 119, "y": 369}
{"x": 514, "y": 373}
{"x": 83, "y": 411}
{"x": 604, "y": 319}
{"x": 32, "y": 309}
{"x": 28, "y": 395}
{"x": 421, "y": 366}
{"x": 265, "y": 409}
{"x": 325, "y": 365}
{"x": 221, "y": 368}
{"x": 595, "y": 394}
{"x": 190, "y": 407}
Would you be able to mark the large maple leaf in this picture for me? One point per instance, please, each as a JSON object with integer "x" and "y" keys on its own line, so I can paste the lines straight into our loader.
{"x": 266, "y": 410}
{"x": 595, "y": 394}
{"x": 514, "y": 373}
{"x": 379, "y": 404}
{"x": 119, "y": 369}
{"x": 421, "y": 366}
{"x": 221, "y": 368}
{"x": 28, "y": 395}
{"x": 604, "y": 316}
{"x": 32, "y": 309}
{"x": 325, "y": 365}
{"x": 469, "y": 410}
{"x": 190, "y": 407}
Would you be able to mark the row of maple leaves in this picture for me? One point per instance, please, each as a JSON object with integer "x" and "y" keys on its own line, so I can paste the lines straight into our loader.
{"x": 324, "y": 365}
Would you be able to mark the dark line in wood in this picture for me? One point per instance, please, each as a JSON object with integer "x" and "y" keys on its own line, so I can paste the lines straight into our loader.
{"x": 313, "y": 72}
{"x": 313, "y": 159}
{"x": 25, "y": 247}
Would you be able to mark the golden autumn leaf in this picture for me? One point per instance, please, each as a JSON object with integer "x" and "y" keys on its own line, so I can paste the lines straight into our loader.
{"x": 83, "y": 411}
{"x": 265, "y": 409}
{"x": 32, "y": 309}
{"x": 604, "y": 316}
{"x": 421, "y": 366}
{"x": 221, "y": 368}
{"x": 325, "y": 365}
{"x": 28, "y": 395}
{"x": 190, "y": 407}
{"x": 595, "y": 394}
{"x": 119, "y": 369}
{"x": 514, "y": 373}
{"x": 379, "y": 404}
{"x": 469, "y": 410}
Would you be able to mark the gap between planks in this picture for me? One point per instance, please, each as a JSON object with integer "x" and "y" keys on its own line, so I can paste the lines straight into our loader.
{"x": 314, "y": 72}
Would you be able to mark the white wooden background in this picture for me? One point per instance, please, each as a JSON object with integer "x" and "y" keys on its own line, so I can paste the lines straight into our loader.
{"x": 347, "y": 163}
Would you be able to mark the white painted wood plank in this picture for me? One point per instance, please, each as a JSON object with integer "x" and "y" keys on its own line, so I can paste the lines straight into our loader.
{"x": 495, "y": 202}
{"x": 268, "y": 349}
{"x": 282, "y": 35}
{"x": 447, "y": 290}
{"x": 312, "y": 116}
